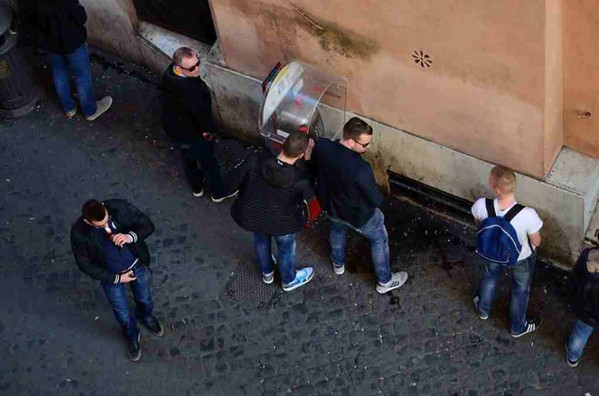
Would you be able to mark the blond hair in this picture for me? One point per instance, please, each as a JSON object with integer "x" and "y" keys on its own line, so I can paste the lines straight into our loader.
{"x": 503, "y": 179}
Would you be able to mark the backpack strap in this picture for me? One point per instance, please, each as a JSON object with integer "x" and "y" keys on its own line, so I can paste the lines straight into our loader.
{"x": 513, "y": 212}
{"x": 490, "y": 207}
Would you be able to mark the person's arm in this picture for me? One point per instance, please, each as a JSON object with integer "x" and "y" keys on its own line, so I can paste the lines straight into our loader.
{"x": 77, "y": 12}
{"x": 141, "y": 226}
{"x": 535, "y": 239}
{"x": 199, "y": 106}
{"x": 94, "y": 270}
{"x": 365, "y": 179}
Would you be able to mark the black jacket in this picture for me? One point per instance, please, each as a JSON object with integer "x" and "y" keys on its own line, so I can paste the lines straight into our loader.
{"x": 345, "y": 183}
{"x": 186, "y": 106}
{"x": 58, "y": 26}
{"x": 87, "y": 248}
{"x": 586, "y": 292}
{"x": 271, "y": 196}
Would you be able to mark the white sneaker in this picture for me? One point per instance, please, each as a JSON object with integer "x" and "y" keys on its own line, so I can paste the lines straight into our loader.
{"x": 397, "y": 280}
{"x": 102, "y": 105}
{"x": 339, "y": 269}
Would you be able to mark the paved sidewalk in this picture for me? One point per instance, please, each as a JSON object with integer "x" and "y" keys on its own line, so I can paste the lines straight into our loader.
{"x": 227, "y": 333}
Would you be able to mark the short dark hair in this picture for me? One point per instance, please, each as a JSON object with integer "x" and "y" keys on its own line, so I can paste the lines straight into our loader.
{"x": 295, "y": 144}
{"x": 355, "y": 127}
{"x": 93, "y": 210}
{"x": 180, "y": 53}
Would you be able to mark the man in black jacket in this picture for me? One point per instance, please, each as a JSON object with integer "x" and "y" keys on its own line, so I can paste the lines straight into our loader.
{"x": 59, "y": 28}
{"x": 348, "y": 193}
{"x": 585, "y": 304}
{"x": 108, "y": 244}
{"x": 187, "y": 119}
{"x": 270, "y": 205}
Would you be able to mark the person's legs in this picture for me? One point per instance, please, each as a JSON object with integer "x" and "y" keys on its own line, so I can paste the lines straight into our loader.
{"x": 193, "y": 174}
{"x": 487, "y": 287}
{"x": 79, "y": 62}
{"x": 120, "y": 307}
{"x": 376, "y": 233}
{"x": 60, "y": 74}
{"x": 286, "y": 257}
{"x": 210, "y": 165}
{"x": 521, "y": 279}
{"x": 577, "y": 341}
{"x": 337, "y": 240}
{"x": 141, "y": 293}
{"x": 263, "y": 249}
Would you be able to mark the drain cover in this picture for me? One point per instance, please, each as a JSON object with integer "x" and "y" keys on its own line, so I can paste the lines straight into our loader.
{"x": 246, "y": 284}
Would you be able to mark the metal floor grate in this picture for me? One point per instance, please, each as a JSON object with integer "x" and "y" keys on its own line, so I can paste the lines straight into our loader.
{"x": 245, "y": 284}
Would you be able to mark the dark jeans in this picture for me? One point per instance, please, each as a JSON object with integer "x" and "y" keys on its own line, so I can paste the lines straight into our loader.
{"x": 78, "y": 62}
{"x": 199, "y": 162}
{"x": 578, "y": 339}
{"x": 117, "y": 297}
{"x": 285, "y": 254}
{"x": 376, "y": 233}
{"x": 522, "y": 274}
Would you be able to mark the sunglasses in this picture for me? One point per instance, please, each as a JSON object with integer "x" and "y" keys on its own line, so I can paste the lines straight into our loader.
{"x": 193, "y": 68}
{"x": 362, "y": 144}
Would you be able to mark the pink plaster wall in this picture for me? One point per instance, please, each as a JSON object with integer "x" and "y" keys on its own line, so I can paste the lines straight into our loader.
{"x": 581, "y": 75}
{"x": 487, "y": 93}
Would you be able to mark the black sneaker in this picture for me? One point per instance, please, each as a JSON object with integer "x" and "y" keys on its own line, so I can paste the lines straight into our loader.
{"x": 154, "y": 326}
{"x": 226, "y": 196}
{"x": 531, "y": 326}
{"x": 134, "y": 349}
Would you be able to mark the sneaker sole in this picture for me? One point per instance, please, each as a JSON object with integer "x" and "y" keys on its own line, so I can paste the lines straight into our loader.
{"x": 287, "y": 289}
{"x": 198, "y": 195}
{"x": 339, "y": 271}
{"x": 217, "y": 200}
{"x": 521, "y": 334}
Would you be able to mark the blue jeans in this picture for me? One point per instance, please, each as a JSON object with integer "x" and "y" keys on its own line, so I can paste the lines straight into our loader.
{"x": 117, "y": 298}
{"x": 578, "y": 339}
{"x": 78, "y": 62}
{"x": 285, "y": 254}
{"x": 199, "y": 161}
{"x": 376, "y": 233}
{"x": 521, "y": 279}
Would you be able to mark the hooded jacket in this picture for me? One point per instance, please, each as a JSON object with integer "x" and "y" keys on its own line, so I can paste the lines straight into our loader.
{"x": 271, "y": 196}
{"x": 586, "y": 291}
{"x": 58, "y": 26}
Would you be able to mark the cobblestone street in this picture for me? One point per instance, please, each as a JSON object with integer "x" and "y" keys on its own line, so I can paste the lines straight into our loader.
{"x": 226, "y": 333}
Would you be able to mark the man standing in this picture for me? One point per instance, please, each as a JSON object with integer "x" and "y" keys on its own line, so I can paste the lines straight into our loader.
{"x": 59, "y": 28}
{"x": 108, "y": 244}
{"x": 270, "y": 206}
{"x": 187, "y": 119}
{"x": 347, "y": 191}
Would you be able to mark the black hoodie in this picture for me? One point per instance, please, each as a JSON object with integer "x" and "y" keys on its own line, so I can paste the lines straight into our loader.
{"x": 58, "y": 25}
{"x": 586, "y": 291}
{"x": 271, "y": 196}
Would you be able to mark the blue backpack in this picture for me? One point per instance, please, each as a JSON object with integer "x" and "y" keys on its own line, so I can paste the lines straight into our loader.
{"x": 497, "y": 240}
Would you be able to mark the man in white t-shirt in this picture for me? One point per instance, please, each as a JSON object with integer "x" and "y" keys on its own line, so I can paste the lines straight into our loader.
{"x": 527, "y": 224}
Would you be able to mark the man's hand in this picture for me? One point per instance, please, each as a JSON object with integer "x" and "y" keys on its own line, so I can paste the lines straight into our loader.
{"x": 128, "y": 276}
{"x": 122, "y": 239}
{"x": 308, "y": 152}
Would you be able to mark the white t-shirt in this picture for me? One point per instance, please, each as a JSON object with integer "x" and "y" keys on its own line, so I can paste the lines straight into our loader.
{"x": 525, "y": 223}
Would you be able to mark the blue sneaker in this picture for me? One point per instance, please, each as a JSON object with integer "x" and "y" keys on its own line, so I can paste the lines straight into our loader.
{"x": 302, "y": 277}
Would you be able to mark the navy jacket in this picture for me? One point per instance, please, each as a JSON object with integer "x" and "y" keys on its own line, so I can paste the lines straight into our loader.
{"x": 586, "y": 292}
{"x": 87, "y": 247}
{"x": 345, "y": 183}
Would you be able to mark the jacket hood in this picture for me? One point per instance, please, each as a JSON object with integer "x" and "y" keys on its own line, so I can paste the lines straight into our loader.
{"x": 277, "y": 173}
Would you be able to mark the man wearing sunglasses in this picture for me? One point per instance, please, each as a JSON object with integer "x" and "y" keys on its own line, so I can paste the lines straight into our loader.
{"x": 108, "y": 242}
{"x": 347, "y": 191}
{"x": 187, "y": 119}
